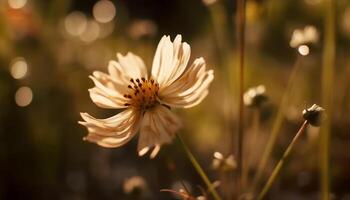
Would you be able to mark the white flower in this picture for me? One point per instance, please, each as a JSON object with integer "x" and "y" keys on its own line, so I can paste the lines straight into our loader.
{"x": 255, "y": 96}
{"x": 302, "y": 37}
{"x": 134, "y": 183}
{"x": 220, "y": 162}
{"x": 146, "y": 100}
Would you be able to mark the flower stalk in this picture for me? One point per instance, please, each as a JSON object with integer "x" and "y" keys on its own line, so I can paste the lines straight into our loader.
{"x": 280, "y": 163}
{"x": 241, "y": 44}
{"x": 254, "y": 136}
{"x": 329, "y": 54}
{"x": 276, "y": 125}
{"x": 199, "y": 169}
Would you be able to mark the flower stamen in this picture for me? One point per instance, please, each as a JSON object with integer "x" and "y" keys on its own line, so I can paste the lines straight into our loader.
{"x": 144, "y": 93}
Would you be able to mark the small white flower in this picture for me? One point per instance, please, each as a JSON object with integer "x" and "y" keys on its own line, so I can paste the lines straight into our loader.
{"x": 146, "y": 100}
{"x": 222, "y": 163}
{"x": 255, "y": 96}
{"x": 134, "y": 183}
{"x": 304, "y": 36}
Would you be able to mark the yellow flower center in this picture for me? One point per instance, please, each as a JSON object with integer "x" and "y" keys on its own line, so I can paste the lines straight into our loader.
{"x": 143, "y": 93}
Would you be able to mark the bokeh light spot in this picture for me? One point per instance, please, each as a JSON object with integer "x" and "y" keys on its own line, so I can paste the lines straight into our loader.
{"x": 19, "y": 68}
{"x": 23, "y": 96}
{"x": 75, "y": 23}
{"x": 104, "y": 11}
{"x": 91, "y": 32}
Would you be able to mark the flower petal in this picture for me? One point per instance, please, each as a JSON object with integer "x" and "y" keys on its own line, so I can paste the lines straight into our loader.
{"x": 105, "y": 100}
{"x": 190, "y": 89}
{"x": 114, "y": 131}
{"x": 158, "y": 127}
{"x": 128, "y": 66}
{"x": 110, "y": 82}
{"x": 108, "y": 92}
{"x": 170, "y": 60}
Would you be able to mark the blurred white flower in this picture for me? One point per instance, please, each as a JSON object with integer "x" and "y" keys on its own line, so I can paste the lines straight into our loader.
{"x": 304, "y": 36}
{"x": 134, "y": 183}
{"x": 224, "y": 163}
{"x": 146, "y": 100}
{"x": 255, "y": 96}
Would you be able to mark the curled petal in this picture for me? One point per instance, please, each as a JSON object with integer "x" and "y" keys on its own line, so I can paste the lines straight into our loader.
{"x": 158, "y": 127}
{"x": 114, "y": 131}
{"x": 170, "y": 60}
{"x": 190, "y": 89}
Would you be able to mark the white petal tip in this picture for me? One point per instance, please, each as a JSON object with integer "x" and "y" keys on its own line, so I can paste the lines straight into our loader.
{"x": 83, "y": 114}
{"x": 143, "y": 151}
{"x": 155, "y": 151}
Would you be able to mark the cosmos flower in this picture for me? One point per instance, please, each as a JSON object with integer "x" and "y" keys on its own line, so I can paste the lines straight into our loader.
{"x": 146, "y": 100}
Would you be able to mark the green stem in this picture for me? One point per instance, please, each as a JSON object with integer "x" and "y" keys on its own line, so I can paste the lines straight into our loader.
{"x": 277, "y": 125}
{"x": 329, "y": 54}
{"x": 241, "y": 42}
{"x": 199, "y": 169}
{"x": 249, "y": 154}
{"x": 280, "y": 163}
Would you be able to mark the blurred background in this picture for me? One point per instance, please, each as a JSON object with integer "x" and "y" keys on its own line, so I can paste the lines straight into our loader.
{"x": 48, "y": 49}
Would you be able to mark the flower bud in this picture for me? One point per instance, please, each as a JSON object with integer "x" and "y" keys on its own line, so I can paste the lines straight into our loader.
{"x": 314, "y": 115}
